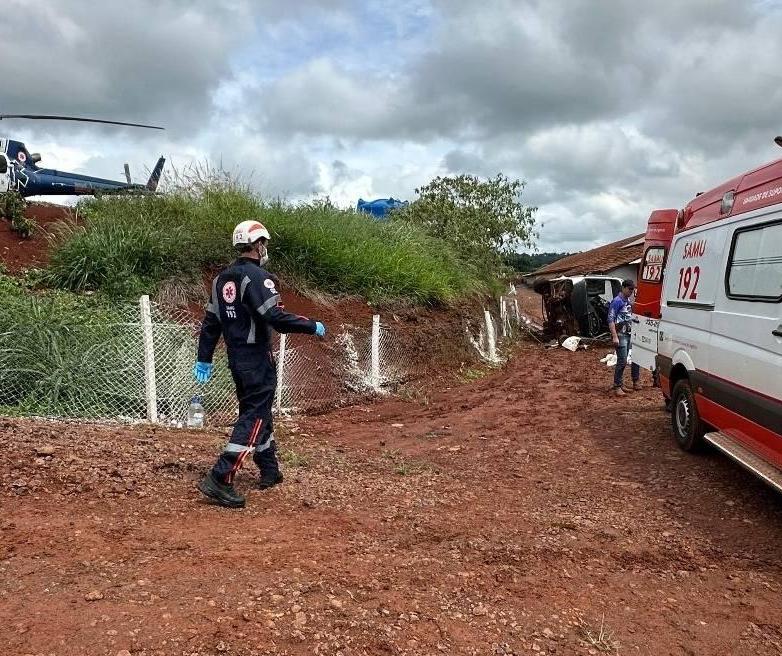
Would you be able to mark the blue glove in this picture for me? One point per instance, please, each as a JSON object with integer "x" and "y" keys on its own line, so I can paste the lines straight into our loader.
{"x": 320, "y": 329}
{"x": 202, "y": 371}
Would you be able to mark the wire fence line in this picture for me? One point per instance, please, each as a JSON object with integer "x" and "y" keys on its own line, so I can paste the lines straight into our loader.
{"x": 136, "y": 365}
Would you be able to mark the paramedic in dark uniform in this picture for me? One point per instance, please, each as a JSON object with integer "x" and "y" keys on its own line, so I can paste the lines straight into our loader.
{"x": 620, "y": 321}
{"x": 244, "y": 307}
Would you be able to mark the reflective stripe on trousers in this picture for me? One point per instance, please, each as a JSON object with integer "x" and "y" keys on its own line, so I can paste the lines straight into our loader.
{"x": 238, "y": 448}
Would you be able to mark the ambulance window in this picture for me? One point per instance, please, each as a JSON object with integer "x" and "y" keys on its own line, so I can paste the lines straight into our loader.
{"x": 755, "y": 266}
{"x": 3, "y": 164}
{"x": 652, "y": 269}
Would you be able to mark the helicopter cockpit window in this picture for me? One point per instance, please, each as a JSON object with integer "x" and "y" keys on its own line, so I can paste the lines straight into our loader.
{"x": 3, "y": 164}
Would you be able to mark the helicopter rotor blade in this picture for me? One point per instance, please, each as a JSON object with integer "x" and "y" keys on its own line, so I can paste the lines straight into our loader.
{"x": 77, "y": 118}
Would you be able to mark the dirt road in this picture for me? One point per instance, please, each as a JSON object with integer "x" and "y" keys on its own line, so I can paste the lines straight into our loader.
{"x": 516, "y": 514}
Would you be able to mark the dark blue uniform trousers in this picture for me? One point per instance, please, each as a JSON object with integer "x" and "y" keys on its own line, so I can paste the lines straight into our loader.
{"x": 256, "y": 382}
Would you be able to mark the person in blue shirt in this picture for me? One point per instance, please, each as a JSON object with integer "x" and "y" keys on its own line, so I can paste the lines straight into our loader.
{"x": 620, "y": 320}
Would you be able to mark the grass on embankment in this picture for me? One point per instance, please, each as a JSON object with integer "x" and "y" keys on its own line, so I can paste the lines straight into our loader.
{"x": 75, "y": 355}
{"x": 126, "y": 245}
{"x": 57, "y": 351}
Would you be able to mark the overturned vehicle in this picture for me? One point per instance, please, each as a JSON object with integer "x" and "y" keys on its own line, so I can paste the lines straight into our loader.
{"x": 576, "y": 305}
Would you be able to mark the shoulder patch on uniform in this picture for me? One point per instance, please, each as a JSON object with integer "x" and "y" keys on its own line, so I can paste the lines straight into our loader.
{"x": 229, "y": 291}
{"x": 268, "y": 283}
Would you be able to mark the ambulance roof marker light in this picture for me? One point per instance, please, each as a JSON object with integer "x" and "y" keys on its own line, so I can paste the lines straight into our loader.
{"x": 726, "y": 206}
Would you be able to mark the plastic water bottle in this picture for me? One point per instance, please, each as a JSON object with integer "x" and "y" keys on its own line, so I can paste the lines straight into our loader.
{"x": 195, "y": 413}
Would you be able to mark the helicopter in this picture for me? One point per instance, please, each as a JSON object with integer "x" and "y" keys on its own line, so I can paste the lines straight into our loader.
{"x": 19, "y": 170}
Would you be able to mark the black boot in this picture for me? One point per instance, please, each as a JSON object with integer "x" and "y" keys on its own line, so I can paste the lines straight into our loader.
{"x": 270, "y": 479}
{"x": 222, "y": 494}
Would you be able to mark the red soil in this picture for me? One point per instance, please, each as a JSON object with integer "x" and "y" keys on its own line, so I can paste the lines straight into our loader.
{"x": 518, "y": 514}
{"x": 17, "y": 254}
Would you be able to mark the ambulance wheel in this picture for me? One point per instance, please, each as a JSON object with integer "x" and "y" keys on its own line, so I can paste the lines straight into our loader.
{"x": 687, "y": 425}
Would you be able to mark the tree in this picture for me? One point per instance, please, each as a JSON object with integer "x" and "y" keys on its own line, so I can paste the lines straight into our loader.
{"x": 526, "y": 262}
{"x": 481, "y": 219}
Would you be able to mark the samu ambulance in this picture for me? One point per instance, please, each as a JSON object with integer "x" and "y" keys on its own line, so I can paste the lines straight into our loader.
{"x": 708, "y": 318}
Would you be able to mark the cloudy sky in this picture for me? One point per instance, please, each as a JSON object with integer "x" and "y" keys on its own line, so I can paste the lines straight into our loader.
{"x": 607, "y": 108}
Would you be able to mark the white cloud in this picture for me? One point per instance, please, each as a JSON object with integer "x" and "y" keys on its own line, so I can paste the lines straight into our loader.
{"x": 608, "y": 110}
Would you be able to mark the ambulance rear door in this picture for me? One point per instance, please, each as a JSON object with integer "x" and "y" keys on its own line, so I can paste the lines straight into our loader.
{"x": 646, "y": 305}
{"x": 646, "y": 322}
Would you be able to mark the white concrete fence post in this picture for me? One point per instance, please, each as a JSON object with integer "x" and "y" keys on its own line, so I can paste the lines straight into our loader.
{"x": 150, "y": 383}
{"x": 375, "y": 363}
{"x": 280, "y": 372}
{"x": 491, "y": 337}
{"x": 504, "y": 318}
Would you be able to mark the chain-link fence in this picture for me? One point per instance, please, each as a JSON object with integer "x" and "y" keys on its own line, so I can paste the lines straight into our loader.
{"x": 92, "y": 364}
{"x": 134, "y": 363}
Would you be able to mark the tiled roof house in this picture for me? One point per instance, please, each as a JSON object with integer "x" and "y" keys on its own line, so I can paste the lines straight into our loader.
{"x": 620, "y": 259}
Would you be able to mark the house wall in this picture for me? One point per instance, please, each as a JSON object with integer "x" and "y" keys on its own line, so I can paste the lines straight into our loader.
{"x": 624, "y": 272}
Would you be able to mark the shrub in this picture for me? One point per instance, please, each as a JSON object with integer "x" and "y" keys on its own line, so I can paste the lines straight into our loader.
{"x": 482, "y": 220}
{"x": 129, "y": 243}
{"x": 12, "y": 208}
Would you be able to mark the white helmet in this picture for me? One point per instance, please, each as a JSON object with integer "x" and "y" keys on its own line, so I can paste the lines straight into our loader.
{"x": 248, "y": 232}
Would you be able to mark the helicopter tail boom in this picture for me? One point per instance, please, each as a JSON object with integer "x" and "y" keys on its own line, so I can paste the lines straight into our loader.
{"x": 154, "y": 178}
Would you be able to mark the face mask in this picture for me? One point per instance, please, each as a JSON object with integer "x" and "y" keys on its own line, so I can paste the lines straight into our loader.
{"x": 264, "y": 255}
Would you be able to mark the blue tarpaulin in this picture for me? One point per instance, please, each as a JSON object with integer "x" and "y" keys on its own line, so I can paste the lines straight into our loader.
{"x": 381, "y": 207}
